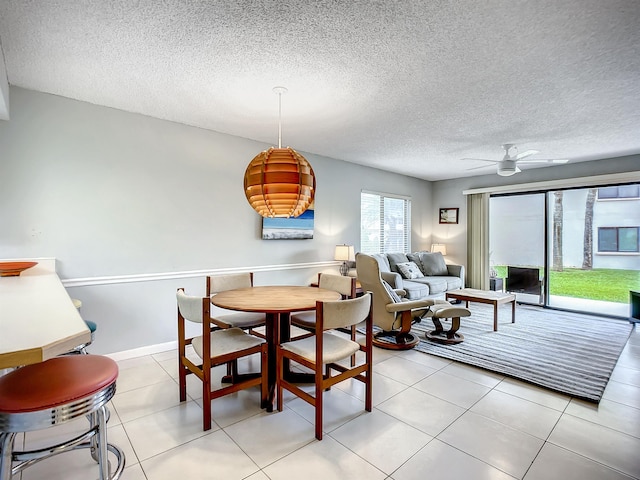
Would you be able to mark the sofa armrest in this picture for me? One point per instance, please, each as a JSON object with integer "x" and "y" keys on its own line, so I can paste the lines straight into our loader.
{"x": 456, "y": 271}
{"x": 392, "y": 278}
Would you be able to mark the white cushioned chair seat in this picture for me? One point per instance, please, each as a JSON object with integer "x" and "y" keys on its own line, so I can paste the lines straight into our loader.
{"x": 308, "y": 319}
{"x": 334, "y": 348}
{"x": 227, "y": 341}
{"x": 241, "y": 320}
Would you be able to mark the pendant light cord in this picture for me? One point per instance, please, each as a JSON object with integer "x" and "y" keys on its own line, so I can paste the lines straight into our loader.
{"x": 279, "y": 120}
{"x": 279, "y": 91}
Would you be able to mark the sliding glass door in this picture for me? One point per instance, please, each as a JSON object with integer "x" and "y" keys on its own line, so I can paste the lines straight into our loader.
{"x": 594, "y": 255}
{"x": 574, "y": 249}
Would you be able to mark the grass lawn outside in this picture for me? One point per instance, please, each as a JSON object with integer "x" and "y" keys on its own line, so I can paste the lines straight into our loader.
{"x": 597, "y": 284}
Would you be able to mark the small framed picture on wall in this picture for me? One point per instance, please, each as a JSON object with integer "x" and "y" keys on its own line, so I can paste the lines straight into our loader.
{"x": 449, "y": 215}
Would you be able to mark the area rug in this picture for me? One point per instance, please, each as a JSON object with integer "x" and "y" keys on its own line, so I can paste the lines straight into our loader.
{"x": 566, "y": 352}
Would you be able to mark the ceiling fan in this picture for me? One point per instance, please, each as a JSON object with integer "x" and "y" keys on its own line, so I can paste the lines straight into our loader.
{"x": 509, "y": 164}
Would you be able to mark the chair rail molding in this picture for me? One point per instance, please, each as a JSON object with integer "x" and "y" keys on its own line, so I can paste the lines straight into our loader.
{"x": 150, "y": 277}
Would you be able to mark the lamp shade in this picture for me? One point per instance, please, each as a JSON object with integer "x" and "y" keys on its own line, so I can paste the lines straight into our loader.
{"x": 344, "y": 253}
{"x": 439, "y": 247}
{"x": 279, "y": 182}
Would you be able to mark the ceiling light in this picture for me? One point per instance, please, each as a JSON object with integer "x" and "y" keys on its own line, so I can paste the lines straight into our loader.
{"x": 506, "y": 168}
{"x": 279, "y": 182}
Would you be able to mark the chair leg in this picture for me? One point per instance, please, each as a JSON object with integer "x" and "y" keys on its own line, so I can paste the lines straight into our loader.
{"x": 279, "y": 375}
{"x": 353, "y": 339}
{"x": 182, "y": 380}
{"x": 206, "y": 399}
{"x": 103, "y": 460}
{"x": 319, "y": 407}
{"x": 264, "y": 370}
{"x": 234, "y": 371}
{"x": 368, "y": 395}
{"x": 93, "y": 442}
{"x": 6, "y": 454}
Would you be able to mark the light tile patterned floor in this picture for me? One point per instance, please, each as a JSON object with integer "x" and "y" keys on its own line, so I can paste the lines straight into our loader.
{"x": 432, "y": 419}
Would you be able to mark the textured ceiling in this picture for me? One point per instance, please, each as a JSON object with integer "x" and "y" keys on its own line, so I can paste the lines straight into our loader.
{"x": 408, "y": 86}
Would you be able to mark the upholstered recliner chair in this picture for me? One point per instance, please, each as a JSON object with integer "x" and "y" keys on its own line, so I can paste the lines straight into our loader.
{"x": 393, "y": 315}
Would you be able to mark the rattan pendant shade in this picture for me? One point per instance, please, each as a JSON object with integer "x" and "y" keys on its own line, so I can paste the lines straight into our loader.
{"x": 279, "y": 182}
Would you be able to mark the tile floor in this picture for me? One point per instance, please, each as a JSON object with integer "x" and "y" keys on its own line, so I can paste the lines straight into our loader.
{"x": 432, "y": 418}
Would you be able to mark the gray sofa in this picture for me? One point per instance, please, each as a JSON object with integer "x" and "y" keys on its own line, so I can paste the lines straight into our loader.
{"x": 432, "y": 278}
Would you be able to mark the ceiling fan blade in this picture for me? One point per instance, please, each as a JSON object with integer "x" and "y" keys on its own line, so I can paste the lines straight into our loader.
{"x": 478, "y": 168}
{"x": 528, "y": 153}
{"x": 480, "y": 160}
{"x": 553, "y": 160}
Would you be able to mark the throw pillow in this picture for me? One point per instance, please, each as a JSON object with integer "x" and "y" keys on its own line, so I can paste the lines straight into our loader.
{"x": 409, "y": 270}
{"x": 392, "y": 293}
{"x": 415, "y": 258}
{"x": 433, "y": 264}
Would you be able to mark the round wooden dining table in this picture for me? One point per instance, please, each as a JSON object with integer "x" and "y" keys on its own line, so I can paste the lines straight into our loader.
{"x": 277, "y": 302}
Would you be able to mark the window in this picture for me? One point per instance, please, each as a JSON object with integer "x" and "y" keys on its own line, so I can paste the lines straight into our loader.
{"x": 620, "y": 191}
{"x": 385, "y": 223}
{"x": 618, "y": 239}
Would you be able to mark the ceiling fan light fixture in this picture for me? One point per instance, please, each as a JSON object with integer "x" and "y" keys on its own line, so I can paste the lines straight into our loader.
{"x": 506, "y": 168}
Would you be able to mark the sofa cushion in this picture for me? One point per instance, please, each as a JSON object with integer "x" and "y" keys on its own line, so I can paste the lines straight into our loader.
{"x": 395, "y": 259}
{"x": 436, "y": 284}
{"x": 415, "y": 258}
{"x": 453, "y": 283}
{"x": 409, "y": 270}
{"x": 415, "y": 290}
{"x": 433, "y": 264}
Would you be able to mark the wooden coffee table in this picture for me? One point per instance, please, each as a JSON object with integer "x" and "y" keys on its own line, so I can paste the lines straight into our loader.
{"x": 485, "y": 296}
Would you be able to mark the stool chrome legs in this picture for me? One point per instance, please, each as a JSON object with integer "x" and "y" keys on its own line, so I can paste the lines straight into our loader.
{"x": 94, "y": 439}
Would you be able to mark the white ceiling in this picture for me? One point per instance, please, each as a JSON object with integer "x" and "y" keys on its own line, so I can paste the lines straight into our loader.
{"x": 411, "y": 86}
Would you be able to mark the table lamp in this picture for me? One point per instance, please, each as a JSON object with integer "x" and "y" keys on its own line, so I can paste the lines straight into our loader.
{"x": 439, "y": 247}
{"x": 344, "y": 253}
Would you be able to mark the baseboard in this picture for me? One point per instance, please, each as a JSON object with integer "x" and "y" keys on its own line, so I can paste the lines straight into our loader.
{"x": 141, "y": 351}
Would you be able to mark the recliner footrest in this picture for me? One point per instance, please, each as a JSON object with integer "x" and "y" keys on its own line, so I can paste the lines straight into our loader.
{"x": 444, "y": 311}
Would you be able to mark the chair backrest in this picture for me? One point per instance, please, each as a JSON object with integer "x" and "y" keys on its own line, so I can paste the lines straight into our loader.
{"x": 368, "y": 270}
{"x": 346, "y": 286}
{"x": 343, "y": 313}
{"x": 222, "y": 283}
{"x": 190, "y": 307}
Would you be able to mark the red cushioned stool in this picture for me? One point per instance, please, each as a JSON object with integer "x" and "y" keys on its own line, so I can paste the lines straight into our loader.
{"x": 53, "y": 392}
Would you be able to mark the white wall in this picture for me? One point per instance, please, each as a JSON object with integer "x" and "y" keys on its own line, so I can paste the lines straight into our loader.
{"x": 133, "y": 207}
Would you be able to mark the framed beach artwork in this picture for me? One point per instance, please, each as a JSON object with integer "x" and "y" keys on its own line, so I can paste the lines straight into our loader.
{"x": 298, "y": 228}
{"x": 449, "y": 215}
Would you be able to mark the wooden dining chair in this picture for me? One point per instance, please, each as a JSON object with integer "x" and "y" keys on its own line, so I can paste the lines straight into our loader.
{"x": 345, "y": 286}
{"x": 214, "y": 346}
{"x": 229, "y": 319}
{"x": 322, "y": 352}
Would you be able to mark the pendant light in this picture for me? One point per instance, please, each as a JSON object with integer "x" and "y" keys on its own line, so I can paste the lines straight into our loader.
{"x": 279, "y": 182}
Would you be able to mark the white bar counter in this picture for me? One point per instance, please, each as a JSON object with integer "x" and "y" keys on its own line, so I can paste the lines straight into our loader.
{"x": 38, "y": 320}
